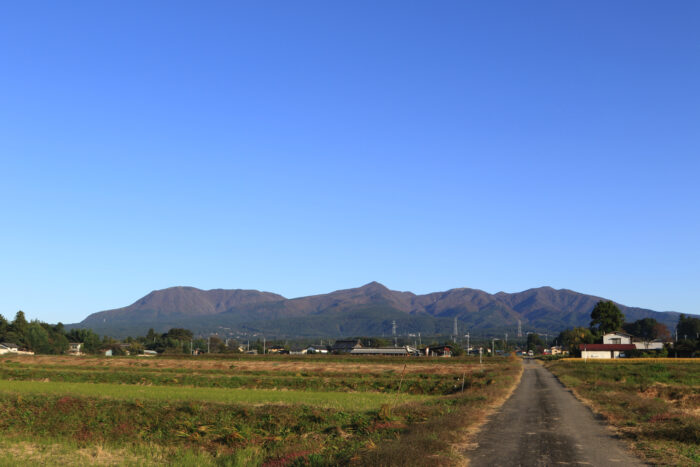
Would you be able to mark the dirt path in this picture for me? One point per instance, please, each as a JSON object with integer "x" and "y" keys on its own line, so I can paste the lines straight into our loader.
{"x": 543, "y": 424}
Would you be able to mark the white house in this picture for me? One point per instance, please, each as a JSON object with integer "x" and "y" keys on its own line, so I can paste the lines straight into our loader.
{"x": 657, "y": 344}
{"x": 605, "y": 350}
{"x": 74, "y": 348}
{"x": 639, "y": 344}
{"x": 617, "y": 338}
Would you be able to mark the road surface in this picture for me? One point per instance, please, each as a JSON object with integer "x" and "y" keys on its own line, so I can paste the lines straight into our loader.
{"x": 543, "y": 424}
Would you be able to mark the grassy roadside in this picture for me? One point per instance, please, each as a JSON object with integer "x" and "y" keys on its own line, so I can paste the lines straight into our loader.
{"x": 441, "y": 431}
{"x": 654, "y": 405}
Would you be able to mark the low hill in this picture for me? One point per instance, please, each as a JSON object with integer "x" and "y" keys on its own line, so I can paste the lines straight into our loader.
{"x": 366, "y": 310}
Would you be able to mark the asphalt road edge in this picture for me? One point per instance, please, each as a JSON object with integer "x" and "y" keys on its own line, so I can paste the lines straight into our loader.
{"x": 615, "y": 431}
{"x": 467, "y": 443}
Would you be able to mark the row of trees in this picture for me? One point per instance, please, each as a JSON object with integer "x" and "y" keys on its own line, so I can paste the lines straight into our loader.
{"x": 43, "y": 338}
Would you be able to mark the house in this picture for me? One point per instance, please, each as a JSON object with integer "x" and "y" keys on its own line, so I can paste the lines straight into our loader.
{"x": 558, "y": 350}
{"x": 641, "y": 344}
{"x": 605, "y": 350}
{"x": 276, "y": 349}
{"x": 617, "y": 338}
{"x": 7, "y": 347}
{"x": 346, "y": 346}
{"x": 74, "y": 348}
{"x": 395, "y": 351}
{"x": 438, "y": 351}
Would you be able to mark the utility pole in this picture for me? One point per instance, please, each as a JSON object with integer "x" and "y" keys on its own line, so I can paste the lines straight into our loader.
{"x": 454, "y": 332}
{"x": 191, "y": 351}
{"x": 520, "y": 329}
{"x": 467, "y": 336}
{"x": 419, "y": 341}
{"x": 505, "y": 347}
{"x": 208, "y": 343}
{"x": 263, "y": 345}
{"x": 393, "y": 331}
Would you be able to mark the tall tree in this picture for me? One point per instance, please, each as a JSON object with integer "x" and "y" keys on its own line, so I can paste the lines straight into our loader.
{"x": 688, "y": 327}
{"x": 533, "y": 341}
{"x": 647, "y": 328}
{"x": 571, "y": 338}
{"x": 606, "y": 317}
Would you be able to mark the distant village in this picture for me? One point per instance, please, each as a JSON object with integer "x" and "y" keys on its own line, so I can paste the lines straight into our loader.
{"x": 608, "y": 337}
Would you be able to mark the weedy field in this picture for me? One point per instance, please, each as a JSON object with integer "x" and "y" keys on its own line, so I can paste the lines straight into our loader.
{"x": 654, "y": 404}
{"x": 252, "y": 410}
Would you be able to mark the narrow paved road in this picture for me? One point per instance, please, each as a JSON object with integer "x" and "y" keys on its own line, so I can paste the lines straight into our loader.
{"x": 543, "y": 424}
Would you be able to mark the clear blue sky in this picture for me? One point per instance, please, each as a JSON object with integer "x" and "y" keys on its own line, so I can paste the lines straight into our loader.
{"x": 301, "y": 147}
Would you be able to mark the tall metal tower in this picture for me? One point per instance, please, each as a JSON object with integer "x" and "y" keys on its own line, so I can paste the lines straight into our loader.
{"x": 520, "y": 329}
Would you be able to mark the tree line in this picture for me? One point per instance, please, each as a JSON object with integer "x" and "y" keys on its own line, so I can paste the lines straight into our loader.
{"x": 43, "y": 338}
{"x": 606, "y": 317}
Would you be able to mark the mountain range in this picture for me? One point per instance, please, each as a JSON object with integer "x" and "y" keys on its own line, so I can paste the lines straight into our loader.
{"x": 364, "y": 311}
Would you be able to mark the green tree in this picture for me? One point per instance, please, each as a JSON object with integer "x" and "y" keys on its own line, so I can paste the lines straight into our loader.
{"x": 534, "y": 341}
{"x": 647, "y": 328}
{"x": 688, "y": 327}
{"x": 37, "y": 338}
{"x": 4, "y": 327}
{"x": 570, "y": 339}
{"x": 606, "y": 317}
{"x": 19, "y": 328}
{"x": 91, "y": 341}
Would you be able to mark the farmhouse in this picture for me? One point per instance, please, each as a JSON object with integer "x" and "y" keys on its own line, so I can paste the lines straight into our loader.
{"x": 617, "y": 338}
{"x": 605, "y": 350}
{"x": 614, "y": 345}
{"x": 439, "y": 351}
{"x": 74, "y": 348}
{"x": 346, "y": 346}
{"x": 7, "y": 347}
{"x": 641, "y": 344}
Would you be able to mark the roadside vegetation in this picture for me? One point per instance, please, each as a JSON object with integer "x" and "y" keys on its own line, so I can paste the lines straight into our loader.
{"x": 249, "y": 410}
{"x": 654, "y": 404}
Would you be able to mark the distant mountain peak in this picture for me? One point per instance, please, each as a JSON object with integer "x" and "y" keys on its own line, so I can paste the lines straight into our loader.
{"x": 364, "y": 310}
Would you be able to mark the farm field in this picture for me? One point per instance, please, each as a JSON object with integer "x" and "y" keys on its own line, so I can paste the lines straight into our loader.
{"x": 653, "y": 404}
{"x": 251, "y": 410}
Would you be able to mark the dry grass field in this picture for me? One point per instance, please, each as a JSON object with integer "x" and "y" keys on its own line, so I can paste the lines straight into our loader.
{"x": 653, "y": 403}
{"x": 252, "y": 410}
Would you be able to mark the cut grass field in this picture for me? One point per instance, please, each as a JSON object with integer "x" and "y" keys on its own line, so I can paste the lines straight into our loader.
{"x": 243, "y": 411}
{"x": 654, "y": 405}
{"x": 335, "y": 399}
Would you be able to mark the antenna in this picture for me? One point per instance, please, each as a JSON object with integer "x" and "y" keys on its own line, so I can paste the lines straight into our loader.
{"x": 520, "y": 329}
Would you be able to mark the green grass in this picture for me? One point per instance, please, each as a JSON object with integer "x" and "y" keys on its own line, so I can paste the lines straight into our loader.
{"x": 339, "y": 400}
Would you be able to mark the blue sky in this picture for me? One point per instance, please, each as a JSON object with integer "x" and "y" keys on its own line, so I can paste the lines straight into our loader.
{"x": 302, "y": 147}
